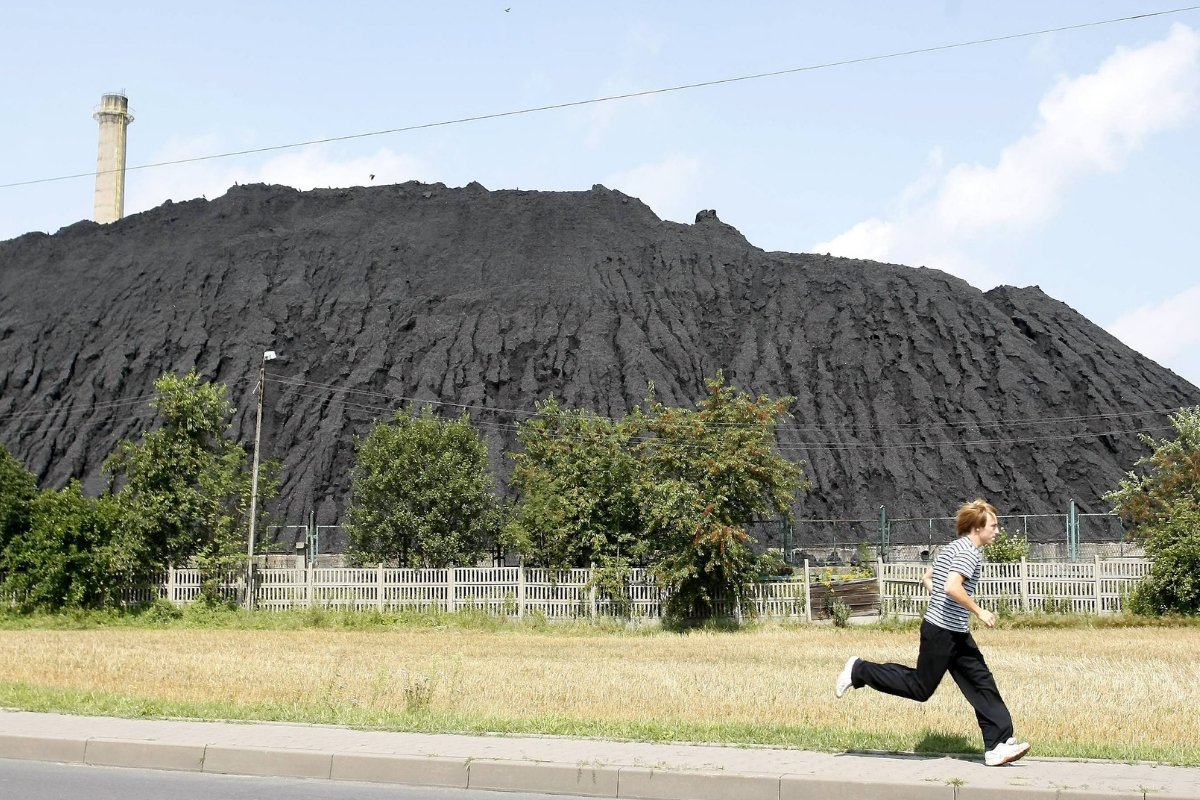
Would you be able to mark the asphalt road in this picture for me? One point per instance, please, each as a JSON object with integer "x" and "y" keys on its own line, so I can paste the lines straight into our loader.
{"x": 37, "y": 780}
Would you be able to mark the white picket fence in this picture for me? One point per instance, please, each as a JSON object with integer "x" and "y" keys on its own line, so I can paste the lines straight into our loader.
{"x": 1083, "y": 587}
{"x": 505, "y": 591}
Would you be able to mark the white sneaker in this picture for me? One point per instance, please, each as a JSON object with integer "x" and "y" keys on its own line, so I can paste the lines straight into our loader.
{"x": 1005, "y": 753}
{"x": 844, "y": 681}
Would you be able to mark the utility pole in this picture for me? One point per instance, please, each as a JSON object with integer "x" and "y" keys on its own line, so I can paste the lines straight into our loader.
{"x": 269, "y": 355}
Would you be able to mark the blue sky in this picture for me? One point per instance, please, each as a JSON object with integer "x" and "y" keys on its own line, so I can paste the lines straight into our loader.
{"x": 1069, "y": 160}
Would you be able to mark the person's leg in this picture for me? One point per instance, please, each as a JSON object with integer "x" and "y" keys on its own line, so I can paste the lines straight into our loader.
{"x": 917, "y": 683}
{"x": 978, "y": 685}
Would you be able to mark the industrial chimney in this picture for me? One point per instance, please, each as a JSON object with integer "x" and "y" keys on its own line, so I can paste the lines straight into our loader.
{"x": 114, "y": 117}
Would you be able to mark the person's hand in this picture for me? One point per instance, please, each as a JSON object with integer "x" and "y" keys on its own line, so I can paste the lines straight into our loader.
{"x": 987, "y": 618}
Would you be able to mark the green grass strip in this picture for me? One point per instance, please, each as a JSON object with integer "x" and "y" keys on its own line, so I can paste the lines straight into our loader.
{"x": 26, "y": 697}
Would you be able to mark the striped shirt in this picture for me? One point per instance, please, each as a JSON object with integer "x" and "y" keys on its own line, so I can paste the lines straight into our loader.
{"x": 959, "y": 556}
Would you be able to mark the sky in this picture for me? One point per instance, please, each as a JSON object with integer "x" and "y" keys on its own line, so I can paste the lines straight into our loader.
{"x": 1068, "y": 160}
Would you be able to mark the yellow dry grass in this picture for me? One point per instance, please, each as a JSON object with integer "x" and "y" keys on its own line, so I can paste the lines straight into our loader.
{"x": 1080, "y": 691}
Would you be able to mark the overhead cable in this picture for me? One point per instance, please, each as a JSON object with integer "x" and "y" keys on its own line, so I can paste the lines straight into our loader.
{"x": 614, "y": 97}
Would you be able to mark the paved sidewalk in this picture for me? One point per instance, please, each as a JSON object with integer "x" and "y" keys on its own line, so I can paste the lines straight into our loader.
{"x": 548, "y": 764}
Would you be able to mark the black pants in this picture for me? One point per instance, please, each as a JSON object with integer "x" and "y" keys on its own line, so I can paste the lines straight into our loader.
{"x": 944, "y": 651}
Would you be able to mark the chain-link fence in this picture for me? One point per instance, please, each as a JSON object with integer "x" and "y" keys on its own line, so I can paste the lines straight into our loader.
{"x": 317, "y": 545}
{"x": 1069, "y": 536}
{"x": 823, "y": 542}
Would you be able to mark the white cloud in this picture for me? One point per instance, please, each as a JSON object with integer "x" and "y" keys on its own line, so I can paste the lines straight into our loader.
{"x": 1085, "y": 124}
{"x": 873, "y": 239}
{"x": 640, "y": 43}
{"x": 1168, "y": 332}
{"x": 926, "y": 182}
{"x": 305, "y": 168}
{"x": 668, "y": 186}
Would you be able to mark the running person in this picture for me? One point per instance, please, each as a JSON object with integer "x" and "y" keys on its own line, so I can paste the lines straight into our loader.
{"x": 946, "y": 642}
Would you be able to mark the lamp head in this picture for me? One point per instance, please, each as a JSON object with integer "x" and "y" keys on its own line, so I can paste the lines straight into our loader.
{"x": 270, "y": 355}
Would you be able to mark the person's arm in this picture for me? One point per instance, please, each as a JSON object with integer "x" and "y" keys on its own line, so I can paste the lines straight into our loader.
{"x": 927, "y": 579}
{"x": 957, "y": 592}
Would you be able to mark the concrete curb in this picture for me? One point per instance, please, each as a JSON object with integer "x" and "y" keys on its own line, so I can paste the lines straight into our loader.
{"x": 390, "y": 768}
{"x": 43, "y": 748}
{"x": 543, "y": 777}
{"x": 145, "y": 755}
{"x": 658, "y": 772}
{"x": 272, "y": 762}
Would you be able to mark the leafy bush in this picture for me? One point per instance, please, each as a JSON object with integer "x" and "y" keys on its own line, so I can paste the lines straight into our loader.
{"x": 72, "y": 556}
{"x": 422, "y": 494}
{"x": 705, "y": 475}
{"x": 1173, "y": 585}
{"x": 669, "y": 488}
{"x": 836, "y": 607}
{"x": 1162, "y": 508}
{"x": 184, "y": 488}
{"x": 17, "y": 490}
{"x": 771, "y": 565}
{"x": 1007, "y": 548}
{"x": 576, "y": 476}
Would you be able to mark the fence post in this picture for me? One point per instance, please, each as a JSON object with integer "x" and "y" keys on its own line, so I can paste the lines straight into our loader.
{"x": 879, "y": 578}
{"x": 379, "y": 588}
{"x": 170, "y": 583}
{"x": 1099, "y": 586}
{"x": 592, "y": 590}
{"x": 1024, "y": 574}
{"x": 884, "y": 533}
{"x": 1072, "y": 532}
{"x": 521, "y": 588}
{"x": 451, "y": 591}
{"x": 807, "y": 594}
{"x": 250, "y": 582}
{"x": 309, "y": 579}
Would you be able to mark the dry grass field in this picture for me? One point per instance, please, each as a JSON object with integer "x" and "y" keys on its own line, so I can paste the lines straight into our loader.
{"x": 1123, "y": 693}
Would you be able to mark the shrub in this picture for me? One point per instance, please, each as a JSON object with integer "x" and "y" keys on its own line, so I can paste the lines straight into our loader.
{"x": 422, "y": 494}
{"x": 771, "y": 565}
{"x": 1162, "y": 508}
{"x": 1007, "y": 548}
{"x": 17, "y": 490}
{"x": 836, "y": 607}
{"x": 1173, "y": 585}
{"x": 72, "y": 556}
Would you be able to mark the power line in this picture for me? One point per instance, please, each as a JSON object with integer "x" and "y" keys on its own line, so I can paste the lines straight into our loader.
{"x": 103, "y": 405}
{"x": 790, "y": 447}
{"x": 834, "y": 446}
{"x": 916, "y": 426}
{"x": 328, "y": 392}
{"x": 84, "y": 407}
{"x": 615, "y": 97}
{"x": 783, "y": 448}
{"x": 80, "y": 425}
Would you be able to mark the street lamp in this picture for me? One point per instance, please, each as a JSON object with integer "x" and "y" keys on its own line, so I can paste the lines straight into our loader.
{"x": 269, "y": 355}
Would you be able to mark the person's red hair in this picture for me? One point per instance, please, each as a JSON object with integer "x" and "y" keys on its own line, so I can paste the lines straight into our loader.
{"x": 973, "y": 515}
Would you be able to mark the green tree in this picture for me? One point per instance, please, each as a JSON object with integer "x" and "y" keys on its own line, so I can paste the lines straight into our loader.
{"x": 1169, "y": 477}
{"x": 1161, "y": 506}
{"x": 706, "y": 474}
{"x": 74, "y": 554}
{"x": 422, "y": 493}
{"x": 18, "y": 487}
{"x": 576, "y": 478}
{"x": 184, "y": 488}
{"x": 1173, "y": 585}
